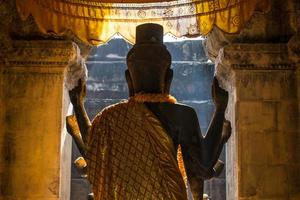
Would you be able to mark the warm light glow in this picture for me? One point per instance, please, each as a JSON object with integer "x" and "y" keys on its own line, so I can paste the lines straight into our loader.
{"x": 96, "y": 22}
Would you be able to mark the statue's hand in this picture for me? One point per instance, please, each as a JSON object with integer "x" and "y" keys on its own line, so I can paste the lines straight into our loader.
{"x": 226, "y": 133}
{"x": 219, "y": 95}
{"x": 77, "y": 94}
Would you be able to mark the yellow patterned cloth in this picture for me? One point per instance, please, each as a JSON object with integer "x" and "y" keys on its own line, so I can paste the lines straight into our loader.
{"x": 95, "y": 22}
{"x": 131, "y": 156}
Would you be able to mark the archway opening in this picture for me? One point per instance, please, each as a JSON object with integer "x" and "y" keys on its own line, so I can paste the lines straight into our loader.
{"x": 191, "y": 85}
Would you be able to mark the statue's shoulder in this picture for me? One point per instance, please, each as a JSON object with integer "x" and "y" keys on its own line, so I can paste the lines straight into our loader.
{"x": 110, "y": 109}
{"x": 116, "y": 106}
{"x": 177, "y": 111}
{"x": 187, "y": 111}
{"x": 182, "y": 107}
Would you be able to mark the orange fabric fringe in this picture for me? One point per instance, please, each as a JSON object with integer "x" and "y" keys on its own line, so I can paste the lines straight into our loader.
{"x": 181, "y": 165}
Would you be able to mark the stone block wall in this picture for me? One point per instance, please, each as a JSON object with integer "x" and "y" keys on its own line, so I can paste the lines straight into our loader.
{"x": 269, "y": 140}
{"x": 263, "y": 152}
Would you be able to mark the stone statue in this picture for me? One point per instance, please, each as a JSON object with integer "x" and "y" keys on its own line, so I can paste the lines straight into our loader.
{"x": 131, "y": 147}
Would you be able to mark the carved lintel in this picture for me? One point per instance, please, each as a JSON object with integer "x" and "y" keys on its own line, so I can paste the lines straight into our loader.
{"x": 280, "y": 66}
{"x": 40, "y": 53}
{"x": 257, "y": 56}
{"x": 294, "y": 49}
{"x": 251, "y": 57}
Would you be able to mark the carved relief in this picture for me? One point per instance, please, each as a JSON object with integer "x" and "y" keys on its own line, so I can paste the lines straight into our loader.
{"x": 40, "y": 53}
{"x": 294, "y": 48}
{"x": 257, "y": 56}
{"x": 251, "y": 57}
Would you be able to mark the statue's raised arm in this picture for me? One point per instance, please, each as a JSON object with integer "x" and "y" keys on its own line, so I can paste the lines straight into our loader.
{"x": 130, "y": 148}
{"x": 79, "y": 125}
{"x": 219, "y": 129}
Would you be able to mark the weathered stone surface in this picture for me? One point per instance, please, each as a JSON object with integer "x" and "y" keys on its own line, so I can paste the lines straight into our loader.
{"x": 31, "y": 143}
{"x": 259, "y": 85}
{"x": 265, "y": 119}
{"x": 215, "y": 188}
{"x": 257, "y": 116}
{"x": 274, "y": 182}
{"x": 80, "y": 189}
{"x": 288, "y": 116}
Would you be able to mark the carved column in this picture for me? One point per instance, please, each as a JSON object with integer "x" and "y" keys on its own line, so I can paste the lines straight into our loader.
{"x": 34, "y": 147}
{"x": 263, "y": 152}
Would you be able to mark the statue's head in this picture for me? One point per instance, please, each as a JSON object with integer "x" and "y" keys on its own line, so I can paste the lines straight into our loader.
{"x": 149, "y": 62}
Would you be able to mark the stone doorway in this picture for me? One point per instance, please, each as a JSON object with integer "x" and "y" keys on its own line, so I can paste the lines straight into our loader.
{"x": 193, "y": 74}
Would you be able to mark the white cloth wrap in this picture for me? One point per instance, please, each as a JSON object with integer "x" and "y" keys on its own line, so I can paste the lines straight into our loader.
{"x": 75, "y": 71}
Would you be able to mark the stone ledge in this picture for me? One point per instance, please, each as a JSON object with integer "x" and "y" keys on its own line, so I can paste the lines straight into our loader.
{"x": 281, "y": 66}
{"x": 251, "y": 57}
{"x": 294, "y": 48}
{"x": 256, "y": 57}
{"x": 40, "y": 53}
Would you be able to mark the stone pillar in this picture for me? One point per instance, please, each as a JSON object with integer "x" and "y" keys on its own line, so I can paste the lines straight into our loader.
{"x": 263, "y": 160}
{"x": 34, "y": 148}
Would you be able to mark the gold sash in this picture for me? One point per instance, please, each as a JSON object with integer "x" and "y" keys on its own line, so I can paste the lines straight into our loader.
{"x": 131, "y": 156}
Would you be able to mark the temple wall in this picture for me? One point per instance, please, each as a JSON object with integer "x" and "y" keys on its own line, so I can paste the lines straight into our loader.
{"x": 65, "y": 150}
{"x": 32, "y": 120}
{"x": 263, "y": 153}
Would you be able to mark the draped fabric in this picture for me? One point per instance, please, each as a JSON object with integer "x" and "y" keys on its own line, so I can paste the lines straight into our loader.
{"x": 131, "y": 156}
{"x": 95, "y": 22}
